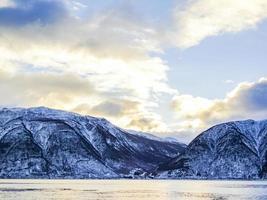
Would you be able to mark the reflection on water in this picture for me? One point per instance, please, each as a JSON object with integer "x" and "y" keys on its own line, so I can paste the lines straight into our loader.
{"x": 131, "y": 189}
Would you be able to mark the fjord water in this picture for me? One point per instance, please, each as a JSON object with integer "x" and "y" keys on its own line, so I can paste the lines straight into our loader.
{"x": 131, "y": 189}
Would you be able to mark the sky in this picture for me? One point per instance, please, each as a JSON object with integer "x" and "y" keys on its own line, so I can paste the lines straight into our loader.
{"x": 172, "y": 68}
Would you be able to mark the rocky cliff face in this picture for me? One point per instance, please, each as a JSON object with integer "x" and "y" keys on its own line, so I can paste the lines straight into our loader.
{"x": 45, "y": 143}
{"x": 235, "y": 150}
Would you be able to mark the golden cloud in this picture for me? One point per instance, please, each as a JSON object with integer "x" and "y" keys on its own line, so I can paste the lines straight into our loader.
{"x": 247, "y": 100}
{"x": 34, "y": 89}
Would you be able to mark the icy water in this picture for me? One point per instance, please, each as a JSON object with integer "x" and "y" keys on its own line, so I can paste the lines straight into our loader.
{"x": 131, "y": 190}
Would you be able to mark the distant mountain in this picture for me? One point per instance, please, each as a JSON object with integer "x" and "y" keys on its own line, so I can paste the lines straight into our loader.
{"x": 153, "y": 137}
{"x": 46, "y": 143}
{"x": 235, "y": 150}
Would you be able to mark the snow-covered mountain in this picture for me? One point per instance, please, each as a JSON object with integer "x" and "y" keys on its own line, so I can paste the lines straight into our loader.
{"x": 46, "y": 143}
{"x": 234, "y": 150}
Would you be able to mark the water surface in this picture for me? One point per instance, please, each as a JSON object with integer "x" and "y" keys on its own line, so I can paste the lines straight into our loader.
{"x": 131, "y": 189}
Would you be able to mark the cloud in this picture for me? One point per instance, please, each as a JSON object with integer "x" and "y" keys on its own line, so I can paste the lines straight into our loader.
{"x": 247, "y": 101}
{"x": 6, "y": 3}
{"x": 100, "y": 65}
{"x": 251, "y": 96}
{"x": 187, "y": 105}
{"x": 130, "y": 114}
{"x": 110, "y": 108}
{"x": 145, "y": 124}
{"x": 200, "y": 19}
{"x": 113, "y": 52}
{"x": 34, "y": 89}
{"x": 229, "y": 81}
{"x": 28, "y": 11}
{"x": 109, "y": 45}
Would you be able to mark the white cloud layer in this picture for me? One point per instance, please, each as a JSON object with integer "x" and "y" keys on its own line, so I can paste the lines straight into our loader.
{"x": 200, "y": 19}
{"x": 6, "y": 3}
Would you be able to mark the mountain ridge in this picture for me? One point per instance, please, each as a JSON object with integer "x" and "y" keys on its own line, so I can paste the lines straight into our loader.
{"x": 232, "y": 150}
{"x": 46, "y": 143}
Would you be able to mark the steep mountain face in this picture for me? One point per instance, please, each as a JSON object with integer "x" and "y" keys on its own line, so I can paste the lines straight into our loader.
{"x": 235, "y": 150}
{"x": 45, "y": 143}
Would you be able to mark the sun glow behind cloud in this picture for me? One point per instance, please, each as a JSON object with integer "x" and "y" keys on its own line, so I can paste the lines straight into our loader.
{"x": 109, "y": 64}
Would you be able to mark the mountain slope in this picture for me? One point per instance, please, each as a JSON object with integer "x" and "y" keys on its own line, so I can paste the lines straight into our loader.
{"x": 235, "y": 150}
{"x": 46, "y": 143}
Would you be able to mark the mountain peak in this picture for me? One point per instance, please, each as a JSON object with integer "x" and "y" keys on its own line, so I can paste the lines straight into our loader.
{"x": 233, "y": 150}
